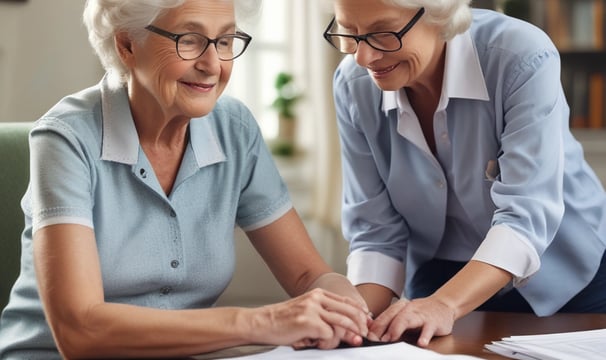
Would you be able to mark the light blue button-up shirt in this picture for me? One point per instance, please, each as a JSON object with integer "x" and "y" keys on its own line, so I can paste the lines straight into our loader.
{"x": 172, "y": 252}
{"x": 508, "y": 185}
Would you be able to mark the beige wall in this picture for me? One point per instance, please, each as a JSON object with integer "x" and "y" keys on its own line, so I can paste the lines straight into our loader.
{"x": 44, "y": 55}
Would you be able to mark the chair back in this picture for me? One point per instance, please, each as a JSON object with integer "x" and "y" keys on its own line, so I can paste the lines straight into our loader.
{"x": 14, "y": 177}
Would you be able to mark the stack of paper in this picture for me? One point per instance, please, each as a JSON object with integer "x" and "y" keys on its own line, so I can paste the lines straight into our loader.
{"x": 394, "y": 351}
{"x": 578, "y": 345}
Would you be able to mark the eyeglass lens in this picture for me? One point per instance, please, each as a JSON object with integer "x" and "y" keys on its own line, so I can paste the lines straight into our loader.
{"x": 379, "y": 41}
{"x": 191, "y": 46}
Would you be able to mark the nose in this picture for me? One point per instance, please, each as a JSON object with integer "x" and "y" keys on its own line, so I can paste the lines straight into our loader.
{"x": 209, "y": 61}
{"x": 366, "y": 54}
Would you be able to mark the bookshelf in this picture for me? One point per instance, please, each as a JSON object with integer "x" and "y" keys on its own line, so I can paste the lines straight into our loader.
{"x": 577, "y": 28}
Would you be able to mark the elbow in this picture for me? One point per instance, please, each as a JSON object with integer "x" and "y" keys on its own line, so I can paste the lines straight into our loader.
{"x": 76, "y": 338}
{"x": 75, "y": 343}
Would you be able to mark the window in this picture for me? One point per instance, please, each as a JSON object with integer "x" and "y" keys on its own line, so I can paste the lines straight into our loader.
{"x": 253, "y": 76}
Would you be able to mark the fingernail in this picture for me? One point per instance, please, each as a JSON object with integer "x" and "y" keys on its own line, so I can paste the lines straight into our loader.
{"x": 385, "y": 338}
{"x": 372, "y": 336}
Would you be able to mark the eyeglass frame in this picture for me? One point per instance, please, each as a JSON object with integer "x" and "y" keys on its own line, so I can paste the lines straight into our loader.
{"x": 176, "y": 37}
{"x": 364, "y": 37}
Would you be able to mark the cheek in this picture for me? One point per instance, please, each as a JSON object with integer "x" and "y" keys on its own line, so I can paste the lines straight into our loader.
{"x": 226, "y": 69}
{"x": 165, "y": 72}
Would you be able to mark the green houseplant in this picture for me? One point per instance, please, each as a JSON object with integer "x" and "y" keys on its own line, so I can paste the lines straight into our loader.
{"x": 284, "y": 104}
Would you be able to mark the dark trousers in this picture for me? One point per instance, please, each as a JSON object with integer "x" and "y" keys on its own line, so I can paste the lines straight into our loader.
{"x": 435, "y": 273}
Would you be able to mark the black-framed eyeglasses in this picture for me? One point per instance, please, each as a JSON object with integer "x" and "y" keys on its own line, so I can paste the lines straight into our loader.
{"x": 387, "y": 41}
{"x": 192, "y": 45}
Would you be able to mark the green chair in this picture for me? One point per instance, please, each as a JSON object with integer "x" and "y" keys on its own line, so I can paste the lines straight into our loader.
{"x": 14, "y": 177}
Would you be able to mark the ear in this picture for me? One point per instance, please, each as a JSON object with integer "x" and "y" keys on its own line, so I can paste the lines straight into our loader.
{"x": 123, "y": 44}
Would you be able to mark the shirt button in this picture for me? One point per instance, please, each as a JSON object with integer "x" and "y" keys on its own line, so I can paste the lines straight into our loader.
{"x": 441, "y": 184}
{"x": 166, "y": 290}
{"x": 173, "y": 213}
{"x": 143, "y": 173}
{"x": 174, "y": 264}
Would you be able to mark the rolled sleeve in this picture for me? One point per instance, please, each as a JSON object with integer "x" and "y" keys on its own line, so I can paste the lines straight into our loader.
{"x": 373, "y": 267}
{"x": 505, "y": 248}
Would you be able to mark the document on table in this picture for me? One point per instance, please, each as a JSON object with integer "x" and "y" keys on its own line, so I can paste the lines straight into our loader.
{"x": 393, "y": 351}
{"x": 577, "y": 345}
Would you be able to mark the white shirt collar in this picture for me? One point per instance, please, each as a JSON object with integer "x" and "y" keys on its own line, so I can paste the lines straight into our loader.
{"x": 463, "y": 76}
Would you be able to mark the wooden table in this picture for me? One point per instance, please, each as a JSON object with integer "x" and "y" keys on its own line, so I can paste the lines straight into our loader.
{"x": 471, "y": 332}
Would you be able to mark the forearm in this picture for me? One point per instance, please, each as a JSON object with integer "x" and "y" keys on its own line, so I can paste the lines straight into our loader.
{"x": 377, "y": 297}
{"x": 475, "y": 283}
{"x": 110, "y": 330}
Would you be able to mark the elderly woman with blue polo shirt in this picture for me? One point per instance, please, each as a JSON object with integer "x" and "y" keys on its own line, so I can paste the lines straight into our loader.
{"x": 136, "y": 187}
{"x": 463, "y": 186}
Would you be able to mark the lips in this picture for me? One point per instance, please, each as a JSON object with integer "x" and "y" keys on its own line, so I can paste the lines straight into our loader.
{"x": 198, "y": 86}
{"x": 383, "y": 71}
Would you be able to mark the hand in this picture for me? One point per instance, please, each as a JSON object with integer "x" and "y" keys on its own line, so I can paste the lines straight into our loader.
{"x": 317, "y": 318}
{"x": 430, "y": 315}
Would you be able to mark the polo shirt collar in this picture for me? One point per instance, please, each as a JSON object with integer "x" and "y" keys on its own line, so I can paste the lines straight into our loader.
{"x": 120, "y": 141}
{"x": 463, "y": 76}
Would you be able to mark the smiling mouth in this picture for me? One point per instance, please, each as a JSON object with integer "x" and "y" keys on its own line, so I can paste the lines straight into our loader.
{"x": 384, "y": 71}
{"x": 198, "y": 86}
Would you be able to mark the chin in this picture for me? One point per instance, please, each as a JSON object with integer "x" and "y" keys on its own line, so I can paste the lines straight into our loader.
{"x": 387, "y": 85}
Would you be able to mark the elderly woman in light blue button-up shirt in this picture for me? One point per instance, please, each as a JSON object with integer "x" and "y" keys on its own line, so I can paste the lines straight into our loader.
{"x": 136, "y": 187}
{"x": 463, "y": 186}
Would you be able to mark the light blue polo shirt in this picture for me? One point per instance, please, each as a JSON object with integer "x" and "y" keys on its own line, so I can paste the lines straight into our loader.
{"x": 168, "y": 252}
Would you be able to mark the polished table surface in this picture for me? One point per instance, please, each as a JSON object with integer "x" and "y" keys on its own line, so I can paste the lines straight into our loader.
{"x": 473, "y": 331}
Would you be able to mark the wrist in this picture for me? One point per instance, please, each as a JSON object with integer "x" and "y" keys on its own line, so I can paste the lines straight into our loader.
{"x": 338, "y": 284}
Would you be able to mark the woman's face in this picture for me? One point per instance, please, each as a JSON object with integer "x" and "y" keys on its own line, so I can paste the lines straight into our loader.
{"x": 177, "y": 87}
{"x": 414, "y": 63}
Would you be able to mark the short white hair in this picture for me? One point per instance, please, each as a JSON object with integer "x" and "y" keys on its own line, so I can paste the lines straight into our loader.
{"x": 452, "y": 16}
{"x": 105, "y": 18}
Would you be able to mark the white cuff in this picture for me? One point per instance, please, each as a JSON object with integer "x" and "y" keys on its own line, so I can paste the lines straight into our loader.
{"x": 507, "y": 249}
{"x": 373, "y": 267}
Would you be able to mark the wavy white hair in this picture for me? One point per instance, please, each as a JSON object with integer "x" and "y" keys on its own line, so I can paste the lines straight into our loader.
{"x": 453, "y": 16}
{"x": 105, "y": 18}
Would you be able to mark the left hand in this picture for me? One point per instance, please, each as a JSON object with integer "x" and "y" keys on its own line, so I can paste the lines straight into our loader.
{"x": 337, "y": 284}
{"x": 429, "y": 314}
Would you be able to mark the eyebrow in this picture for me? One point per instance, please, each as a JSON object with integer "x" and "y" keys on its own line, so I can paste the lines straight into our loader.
{"x": 196, "y": 26}
{"x": 381, "y": 23}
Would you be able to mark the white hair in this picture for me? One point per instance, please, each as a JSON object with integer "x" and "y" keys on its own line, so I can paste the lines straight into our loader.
{"x": 452, "y": 16}
{"x": 105, "y": 18}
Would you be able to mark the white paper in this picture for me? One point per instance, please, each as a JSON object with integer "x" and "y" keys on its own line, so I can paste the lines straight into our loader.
{"x": 577, "y": 345}
{"x": 393, "y": 351}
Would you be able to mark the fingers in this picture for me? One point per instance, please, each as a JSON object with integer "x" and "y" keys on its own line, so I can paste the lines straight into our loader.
{"x": 316, "y": 319}
{"x": 429, "y": 315}
{"x": 341, "y": 312}
{"x": 426, "y": 334}
{"x": 381, "y": 323}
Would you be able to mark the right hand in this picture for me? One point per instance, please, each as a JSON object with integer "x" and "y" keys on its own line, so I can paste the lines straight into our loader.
{"x": 317, "y": 318}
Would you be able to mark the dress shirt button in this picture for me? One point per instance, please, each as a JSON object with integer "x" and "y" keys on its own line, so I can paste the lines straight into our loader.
{"x": 166, "y": 290}
{"x": 441, "y": 184}
{"x": 173, "y": 213}
{"x": 143, "y": 173}
{"x": 174, "y": 264}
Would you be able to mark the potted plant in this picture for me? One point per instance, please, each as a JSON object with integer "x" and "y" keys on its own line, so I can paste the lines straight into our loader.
{"x": 284, "y": 104}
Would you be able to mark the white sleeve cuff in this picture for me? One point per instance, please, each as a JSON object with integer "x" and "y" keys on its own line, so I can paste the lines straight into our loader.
{"x": 373, "y": 267}
{"x": 507, "y": 249}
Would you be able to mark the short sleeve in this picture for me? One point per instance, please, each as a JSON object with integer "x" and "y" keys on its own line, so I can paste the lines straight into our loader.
{"x": 264, "y": 197}
{"x": 60, "y": 181}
